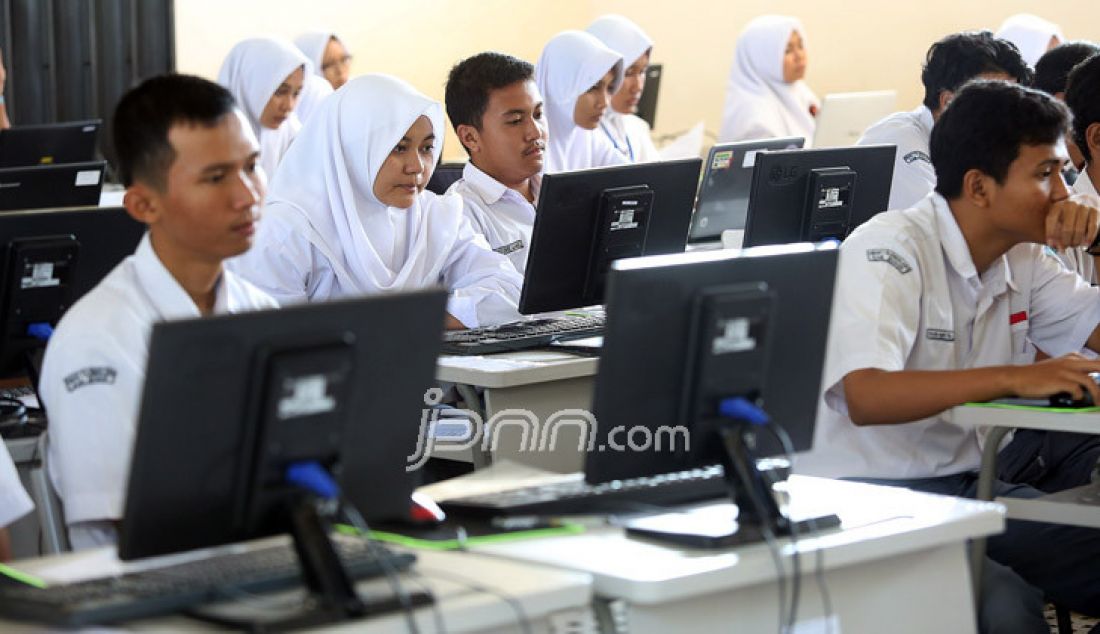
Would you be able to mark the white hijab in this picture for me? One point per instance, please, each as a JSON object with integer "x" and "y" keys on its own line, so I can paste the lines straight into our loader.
{"x": 312, "y": 45}
{"x": 314, "y": 91}
{"x": 325, "y": 189}
{"x": 571, "y": 63}
{"x": 758, "y": 102}
{"x": 629, "y": 40}
{"x": 1031, "y": 34}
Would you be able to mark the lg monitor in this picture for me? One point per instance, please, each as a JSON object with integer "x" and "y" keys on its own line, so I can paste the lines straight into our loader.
{"x": 819, "y": 194}
{"x": 587, "y": 219}
{"x": 49, "y": 144}
{"x": 724, "y": 191}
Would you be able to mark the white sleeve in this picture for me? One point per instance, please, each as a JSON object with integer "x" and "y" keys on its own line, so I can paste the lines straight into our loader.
{"x": 1065, "y": 309}
{"x": 91, "y": 391}
{"x": 876, "y": 312}
{"x": 14, "y": 501}
{"x": 484, "y": 285}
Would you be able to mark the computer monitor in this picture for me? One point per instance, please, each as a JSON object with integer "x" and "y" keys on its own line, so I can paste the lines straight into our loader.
{"x": 50, "y": 259}
{"x": 724, "y": 192}
{"x": 49, "y": 144}
{"x": 647, "y": 103}
{"x": 586, "y": 219}
{"x": 819, "y": 194}
{"x": 687, "y": 332}
{"x": 845, "y": 116}
{"x": 42, "y": 186}
{"x": 444, "y": 176}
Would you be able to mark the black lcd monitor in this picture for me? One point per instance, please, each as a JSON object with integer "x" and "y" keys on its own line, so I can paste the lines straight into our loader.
{"x": 688, "y": 333}
{"x": 49, "y": 144}
{"x": 819, "y": 194}
{"x": 230, "y": 402}
{"x": 42, "y": 186}
{"x": 647, "y": 103}
{"x": 587, "y": 219}
{"x": 50, "y": 259}
{"x": 724, "y": 192}
{"x": 444, "y": 176}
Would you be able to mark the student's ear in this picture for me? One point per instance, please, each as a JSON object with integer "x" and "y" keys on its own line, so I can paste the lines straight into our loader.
{"x": 469, "y": 137}
{"x": 140, "y": 202}
{"x": 1092, "y": 137}
{"x": 945, "y": 98}
{"x": 977, "y": 187}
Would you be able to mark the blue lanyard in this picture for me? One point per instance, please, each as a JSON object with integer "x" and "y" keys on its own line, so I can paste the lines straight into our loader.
{"x": 626, "y": 137}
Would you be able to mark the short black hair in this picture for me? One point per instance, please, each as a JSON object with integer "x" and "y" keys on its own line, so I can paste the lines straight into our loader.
{"x": 984, "y": 126}
{"x": 1052, "y": 69}
{"x": 960, "y": 57}
{"x": 472, "y": 79}
{"x": 147, "y": 112}
{"x": 1083, "y": 99}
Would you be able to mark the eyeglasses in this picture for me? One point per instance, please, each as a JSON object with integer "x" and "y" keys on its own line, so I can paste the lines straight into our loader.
{"x": 342, "y": 62}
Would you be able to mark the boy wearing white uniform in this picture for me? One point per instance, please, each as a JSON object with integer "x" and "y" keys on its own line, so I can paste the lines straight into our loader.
{"x": 950, "y": 63}
{"x": 188, "y": 158}
{"x": 1083, "y": 98}
{"x": 937, "y": 305}
{"x": 496, "y": 111}
{"x": 14, "y": 501}
{"x": 628, "y": 132}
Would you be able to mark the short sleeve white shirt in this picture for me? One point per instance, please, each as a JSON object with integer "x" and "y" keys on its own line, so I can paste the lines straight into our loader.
{"x": 914, "y": 177}
{"x": 908, "y": 297}
{"x": 94, "y": 371}
{"x": 499, "y": 213}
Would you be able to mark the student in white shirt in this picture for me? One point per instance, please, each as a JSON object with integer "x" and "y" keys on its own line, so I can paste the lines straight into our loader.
{"x": 331, "y": 59}
{"x": 1031, "y": 35}
{"x": 628, "y": 132}
{"x": 939, "y": 305}
{"x": 14, "y": 501}
{"x": 576, "y": 75}
{"x": 348, "y": 214}
{"x": 766, "y": 96}
{"x": 497, "y": 113}
{"x": 189, "y": 160}
{"x": 1051, "y": 73}
{"x": 950, "y": 63}
{"x": 265, "y": 75}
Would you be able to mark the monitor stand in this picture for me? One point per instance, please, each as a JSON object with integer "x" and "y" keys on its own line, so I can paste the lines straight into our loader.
{"x": 749, "y": 490}
{"x": 331, "y": 594}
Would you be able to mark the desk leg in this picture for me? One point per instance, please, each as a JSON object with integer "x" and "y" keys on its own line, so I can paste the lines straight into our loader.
{"x": 472, "y": 399}
{"x": 986, "y": 476}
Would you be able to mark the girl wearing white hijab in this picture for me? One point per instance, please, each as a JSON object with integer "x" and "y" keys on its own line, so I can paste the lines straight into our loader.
{"x": 265, "y": 76}
{"x": 1031, "y": 34}
{"x": 348, "y": 215}
{"x": 576, "y": 75}
{"x": 628, "y": 132}
{"x": 765, "y": 96}
{"x": 331, "y": 59}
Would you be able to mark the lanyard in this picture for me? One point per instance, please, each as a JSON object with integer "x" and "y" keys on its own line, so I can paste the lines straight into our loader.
{"x": 629, "y": 148}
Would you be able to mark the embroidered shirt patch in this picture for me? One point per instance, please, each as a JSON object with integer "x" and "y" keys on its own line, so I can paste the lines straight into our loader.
{"x": 509, "y": 248}
{"x": 889, "y": 257}
{"x": 90, "y": 376}
{"x": 936, "y": 334}
{"x": 916, "y": 155}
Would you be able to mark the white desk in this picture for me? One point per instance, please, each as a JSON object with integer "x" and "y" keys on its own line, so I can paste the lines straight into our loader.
{"x": 549, "y": 598}
{"x": 899, "y": 564}
{"x": 540, "y": 382}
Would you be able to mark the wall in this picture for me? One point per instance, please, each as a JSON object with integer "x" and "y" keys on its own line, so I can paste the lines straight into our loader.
{"x": 853, "y": 44}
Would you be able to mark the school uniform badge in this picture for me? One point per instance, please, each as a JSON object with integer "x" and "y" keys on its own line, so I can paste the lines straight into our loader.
{"x": 90, "y": 376}
{"x": 890, "y": 257}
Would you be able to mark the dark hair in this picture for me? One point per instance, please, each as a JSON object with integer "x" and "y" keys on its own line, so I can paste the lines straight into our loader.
{"x": 960, "y": 57}
{"x": 471, "y": 80}
{"x": 1083, "y": 99}
{"x": 1052, "y": 69}
{"x": 146, "y": 113}
{"x": 984, "y": 126}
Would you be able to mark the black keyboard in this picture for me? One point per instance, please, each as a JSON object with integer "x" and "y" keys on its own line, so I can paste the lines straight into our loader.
{"x": 580, "y": 498}
{"x": 181, "y": 586}
{"x": 522, "y": 335}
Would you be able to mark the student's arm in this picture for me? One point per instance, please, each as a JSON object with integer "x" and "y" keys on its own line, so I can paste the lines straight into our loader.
{"x": 878, "y": 397}
{"x": 484, "y": 285}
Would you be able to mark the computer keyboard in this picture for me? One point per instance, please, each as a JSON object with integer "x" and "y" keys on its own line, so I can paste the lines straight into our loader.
{"x": 181, "y": 586}
{"x": 522, "y": 335}
{"x": 580, "y": 498}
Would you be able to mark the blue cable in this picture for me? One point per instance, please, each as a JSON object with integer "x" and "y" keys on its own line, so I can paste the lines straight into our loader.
{"x": 742, "y": 408}
{"x": 311, "y": 476}
{"x": 40, "y": 330}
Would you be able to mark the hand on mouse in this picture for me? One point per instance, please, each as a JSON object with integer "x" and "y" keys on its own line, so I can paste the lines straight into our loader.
{"x": 1069, "y": 373}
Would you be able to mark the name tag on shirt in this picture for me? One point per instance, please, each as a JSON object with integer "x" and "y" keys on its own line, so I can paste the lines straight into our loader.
{"x": 509, "y": 248}
{"x": 90, "y": 376}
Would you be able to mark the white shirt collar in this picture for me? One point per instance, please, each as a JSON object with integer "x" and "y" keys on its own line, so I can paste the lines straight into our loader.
{"x": 924, "y": 116}
{"x": 996, "y": 278}
{"x": 165, "y": 292}
{"x": 490, "y": 190}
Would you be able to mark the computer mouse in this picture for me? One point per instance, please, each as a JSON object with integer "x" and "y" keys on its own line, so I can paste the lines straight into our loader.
{"x": 1066, "y": 400}
{"x": 424, "y": 510}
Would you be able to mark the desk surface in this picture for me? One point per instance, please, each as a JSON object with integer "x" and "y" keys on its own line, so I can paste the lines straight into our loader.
{"x": 454, "y": 578}
{"x": 512, "y": 369}
{"x": 976, "y": 416}
{"x": 878, "y": 522}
